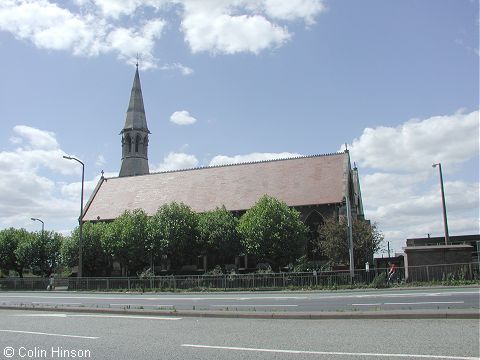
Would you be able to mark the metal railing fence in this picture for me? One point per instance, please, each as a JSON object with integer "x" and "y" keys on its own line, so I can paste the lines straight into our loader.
{"x": 264, "y": 281}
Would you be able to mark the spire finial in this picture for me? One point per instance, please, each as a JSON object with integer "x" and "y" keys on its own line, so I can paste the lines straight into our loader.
{"x": 136, "y": 64}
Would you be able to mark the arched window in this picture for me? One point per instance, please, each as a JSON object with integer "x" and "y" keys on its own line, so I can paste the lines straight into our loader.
{"x": 129, "y": 143}
{"x": 145, "y": 144}
{"x": 137, "y": 143}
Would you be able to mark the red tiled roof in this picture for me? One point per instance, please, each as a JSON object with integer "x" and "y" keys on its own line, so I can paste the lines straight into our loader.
{"x": 298, "y": 181}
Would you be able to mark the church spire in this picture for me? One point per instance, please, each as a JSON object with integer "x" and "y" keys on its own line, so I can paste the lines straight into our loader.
{"x": 135, "y": 134}
{"x": 136, "y": 112}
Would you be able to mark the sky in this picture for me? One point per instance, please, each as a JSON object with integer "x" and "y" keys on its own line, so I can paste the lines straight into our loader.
{"x": 229, "y": 81}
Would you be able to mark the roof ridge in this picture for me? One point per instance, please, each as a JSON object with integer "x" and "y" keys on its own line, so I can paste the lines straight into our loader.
{"x": 242, "y": 163}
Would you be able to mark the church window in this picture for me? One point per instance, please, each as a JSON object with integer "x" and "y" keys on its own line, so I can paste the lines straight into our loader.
{"x": 145, "y": 145}
{"x": 137, "y": 142}
{"x": 129, "y": 143}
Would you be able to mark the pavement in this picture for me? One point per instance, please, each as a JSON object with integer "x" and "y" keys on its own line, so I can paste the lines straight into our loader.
{"x": 318, "y": 315}
{"x": 406, "y": 303}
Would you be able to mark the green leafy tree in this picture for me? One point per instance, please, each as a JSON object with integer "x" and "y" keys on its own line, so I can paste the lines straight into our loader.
{"x": 9, "y": 239}
{"x": 94, "y": 257}
{"x": 333, "y": 242}
{"x": 69, "y": 251}
{"x": 273, "y": 232}
{"x": 111, "y": 242}
{"x": 40, "y": 252}
{"x": 126, "y": 240}
{"x": 27, "y": 252}
{"x": 218, "y": 233}
{"x": 48, "y": 245}
{"x": 173, "y": 232}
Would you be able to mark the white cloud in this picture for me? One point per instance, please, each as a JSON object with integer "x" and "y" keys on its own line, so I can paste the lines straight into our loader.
{"x": 185, "y": 70}
{"x": 116, "y": 8}
{"x": 73, "y": 190}
{"x": 400, "y": 189}
{"x": 224, "y": 33}
{"x": 37, "y": 139}
{"x": 129, "y": 41}
{"x": 233, "y": 26}
{"x": 36, "y": 149}
{"x": 15, "y": 140}
{"x": 417, "y": 144}
{"x": 49, "y": 26}
{"x": 294, "y": 9}
{"x": 176, "y": 161}
{"x": 25, "y": 191}
{"x": 100, "y": 160}
{"x": 224, "y": 160}
{"x": 182, "y": 117}
{"x": 128, "y": 27}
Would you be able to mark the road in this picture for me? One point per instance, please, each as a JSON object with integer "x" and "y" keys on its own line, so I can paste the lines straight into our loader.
{"x": 103, "y": 336}
{"x": 467, "y": 298}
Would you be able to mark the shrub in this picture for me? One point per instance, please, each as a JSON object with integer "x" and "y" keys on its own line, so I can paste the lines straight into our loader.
{"x": 380, "y": 281}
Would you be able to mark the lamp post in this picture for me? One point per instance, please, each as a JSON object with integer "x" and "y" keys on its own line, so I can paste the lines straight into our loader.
{"x": 445, "y": 223}
{"x": 43, "y": 224}
{"x": 80, "y": 222}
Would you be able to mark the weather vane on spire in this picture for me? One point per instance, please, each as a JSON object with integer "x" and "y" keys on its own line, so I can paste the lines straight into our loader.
{"x": 136, "y": 64}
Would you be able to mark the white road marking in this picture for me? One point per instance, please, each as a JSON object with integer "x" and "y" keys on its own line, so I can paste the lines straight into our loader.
{"x": 446, "y": 293}
{"x": 127, "y": 317}
{"x": 48, "y": 334}
{"x": 253, "y": 305}
{"x": 54, "y": 303}
{"x": 411, "y": 356}
{"x": 373, "y": 304}
{"x": 101, "y": 316}
{"x": 412, "y": 303}
{"x": 133, "y": 297}
{"x": 41, "y": 315}
{"x": 425, "y": 302}
{"x": 140, "y": 304}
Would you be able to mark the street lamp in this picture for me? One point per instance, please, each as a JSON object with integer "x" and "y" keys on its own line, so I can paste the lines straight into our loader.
{"x": 80, "y": 222}
{"x": 43, "y": 224}
{"x": 445, "y": 223}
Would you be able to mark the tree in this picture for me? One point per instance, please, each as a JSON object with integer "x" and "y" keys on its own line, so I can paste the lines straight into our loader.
{"x": 39, "y": 251}
{"x": 125, "y": 239}
{"x": 333, "y": 243}
{"x": 20, "y": 249}
{"x": 367, "y": 240}
{"x": 27, "y": 251}
{"x": 48, "y": 245}
{"x": 9, "y": 239}
{"x": 173, "y": 232}
{"x": 273, "y": 232}
{"x": 69, "y": 251}
{"x": 94, "y": 257}
{"x": 218, "y": 233}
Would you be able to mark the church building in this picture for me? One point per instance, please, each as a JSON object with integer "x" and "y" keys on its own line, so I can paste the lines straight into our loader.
{"x": 319, "y": 186}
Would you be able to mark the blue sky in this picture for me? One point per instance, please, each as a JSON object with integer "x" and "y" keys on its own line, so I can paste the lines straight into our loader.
{"x": 251, "y": 79}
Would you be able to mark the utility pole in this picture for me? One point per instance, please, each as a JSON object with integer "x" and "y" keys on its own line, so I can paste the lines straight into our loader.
{"x": 80, "y": 219}
{"x": 445, "y": 222}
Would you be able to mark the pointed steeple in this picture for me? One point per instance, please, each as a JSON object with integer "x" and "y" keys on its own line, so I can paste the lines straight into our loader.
{"x": 135, "y": 134}
{"x": 135, "y": 119}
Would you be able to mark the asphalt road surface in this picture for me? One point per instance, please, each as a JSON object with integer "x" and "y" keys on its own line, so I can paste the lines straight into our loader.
{"x": 54, "y": 335}
{"x": 467, "y": 298}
